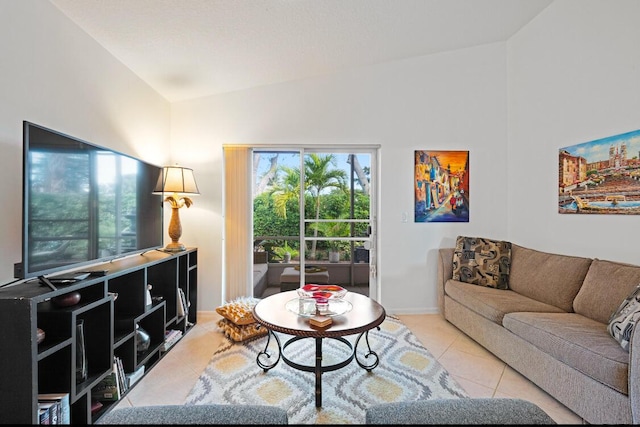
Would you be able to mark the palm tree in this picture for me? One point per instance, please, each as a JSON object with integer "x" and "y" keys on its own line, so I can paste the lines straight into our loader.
{"x": 319, "y": 177}
{"x": 333, "y": 229}
{"x": 285, "y": 189}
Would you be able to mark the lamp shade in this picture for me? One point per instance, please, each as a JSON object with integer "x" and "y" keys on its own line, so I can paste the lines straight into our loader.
{"x": 176, "y": 179}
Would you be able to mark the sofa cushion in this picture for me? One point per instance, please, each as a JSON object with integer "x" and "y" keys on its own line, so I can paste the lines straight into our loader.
{"x": 482, "y": 261}
{"x": 607, "y": 284}
{"x": 577, "y": 341}
{"x": 491, "y": 303}
{"x": 550, "y": 278}
{"x": 624, "y": 319}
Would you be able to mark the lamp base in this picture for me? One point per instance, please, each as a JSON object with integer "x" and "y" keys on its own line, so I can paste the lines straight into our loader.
{"x": 175, "y": 247}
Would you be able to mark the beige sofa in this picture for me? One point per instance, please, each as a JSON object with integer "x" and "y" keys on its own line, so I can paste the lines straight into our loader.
{"x": 551, "y": 326}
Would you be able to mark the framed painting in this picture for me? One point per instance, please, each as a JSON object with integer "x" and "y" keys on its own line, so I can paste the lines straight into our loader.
{"x": 441, "y": 186}
{"x": 600, "y": 176}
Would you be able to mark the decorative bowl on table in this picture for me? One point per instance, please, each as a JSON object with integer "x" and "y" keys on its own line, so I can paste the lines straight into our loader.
{"x": 322, "y": 293}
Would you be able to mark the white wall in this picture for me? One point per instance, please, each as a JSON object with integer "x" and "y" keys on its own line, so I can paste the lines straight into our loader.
{"x": 53, "y": 74}
{"x": 570, "y": 76}
{"x": 574, "y": 76}
{"x": 451, "y": 101}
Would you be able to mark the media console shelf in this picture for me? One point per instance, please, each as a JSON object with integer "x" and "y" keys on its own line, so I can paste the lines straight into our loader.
{"x": 109, "y": 310}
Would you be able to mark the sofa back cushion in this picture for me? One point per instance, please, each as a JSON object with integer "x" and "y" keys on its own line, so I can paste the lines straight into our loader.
{"x": 550, "y": 278}
{"x": 606, "y": 285}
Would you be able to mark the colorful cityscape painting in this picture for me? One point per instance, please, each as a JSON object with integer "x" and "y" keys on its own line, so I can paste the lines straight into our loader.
{"x": 600, "y": 176}
{"x": 441, "y": 186}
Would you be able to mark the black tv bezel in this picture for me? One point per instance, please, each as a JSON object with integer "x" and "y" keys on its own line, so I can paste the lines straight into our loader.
{"x": 21, "y": 269}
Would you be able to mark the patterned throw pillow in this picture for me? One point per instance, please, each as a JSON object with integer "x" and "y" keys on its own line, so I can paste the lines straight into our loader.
{"x": 481, "y": 261}
{"x": 622, "y": 322}
{"x": 239, "y": 311}
{"x": 241, "y": 333}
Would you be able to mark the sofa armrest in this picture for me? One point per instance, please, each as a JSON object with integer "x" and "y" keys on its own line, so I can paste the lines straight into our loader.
{"x": 634, "y": 375}
{"x": 260, "y": 257}
{"x": 445, "y": 272}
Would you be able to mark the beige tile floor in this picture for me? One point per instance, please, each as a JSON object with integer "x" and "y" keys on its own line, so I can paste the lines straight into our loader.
{"x": 479, "y": 372}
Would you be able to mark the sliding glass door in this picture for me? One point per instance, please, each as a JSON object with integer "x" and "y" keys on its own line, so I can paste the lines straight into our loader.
{"x": 314, "y": 216}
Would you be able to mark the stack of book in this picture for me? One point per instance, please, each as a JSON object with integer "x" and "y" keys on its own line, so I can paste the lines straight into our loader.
{"x": 54, "y": 408}
{"x": 171, "y": 337}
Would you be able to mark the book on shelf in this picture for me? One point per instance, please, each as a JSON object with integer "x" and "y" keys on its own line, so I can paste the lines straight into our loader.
{"x": 52, "y": 410}
{"x": 108, "y": 389}
{"x": 62, "y": 399}
{"x": 183, "y": 305}
{"x": 180, "y": 305}
{"x": 96, "y": 405}
{"x": 135, "y": 376}
{"x": 43, "y": 416}
{"x": 121, "y": 375}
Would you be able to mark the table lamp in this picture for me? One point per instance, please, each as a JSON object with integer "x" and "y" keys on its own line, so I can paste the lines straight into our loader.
{"x": 179, "y": 182}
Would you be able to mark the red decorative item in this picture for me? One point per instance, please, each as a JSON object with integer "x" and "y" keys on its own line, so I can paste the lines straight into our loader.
{"x": 322, "y": 293}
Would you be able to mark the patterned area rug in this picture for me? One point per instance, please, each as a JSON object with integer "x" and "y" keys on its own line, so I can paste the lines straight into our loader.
{"x": 406, "y": 372}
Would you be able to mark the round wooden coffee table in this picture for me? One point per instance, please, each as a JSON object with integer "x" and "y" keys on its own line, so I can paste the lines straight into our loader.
{"x": 364, "y": 315}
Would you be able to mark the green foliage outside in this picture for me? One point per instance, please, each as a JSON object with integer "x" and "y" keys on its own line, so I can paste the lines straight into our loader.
{"x": 276, "y": 212}
{"x": 280, "y": 251}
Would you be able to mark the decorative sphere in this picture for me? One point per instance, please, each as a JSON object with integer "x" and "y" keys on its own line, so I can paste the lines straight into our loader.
{"x": 143, "y": 340}
{"x": 67, "y": 300}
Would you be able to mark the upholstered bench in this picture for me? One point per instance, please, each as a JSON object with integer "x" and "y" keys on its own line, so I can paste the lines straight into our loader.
{"x": 490, "y": 411}
{"x": 196, "y": 414}
{"x": 290, "y": 278}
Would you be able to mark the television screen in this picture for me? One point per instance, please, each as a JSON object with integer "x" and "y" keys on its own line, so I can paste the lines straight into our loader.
{"x": 83, "y": 203}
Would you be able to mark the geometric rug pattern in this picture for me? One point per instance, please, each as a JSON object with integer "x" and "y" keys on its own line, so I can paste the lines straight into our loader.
{"x": 406, "y": 372}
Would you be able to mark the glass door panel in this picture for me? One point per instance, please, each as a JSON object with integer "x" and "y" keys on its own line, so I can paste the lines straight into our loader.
{"x": 312, "y": 211}
{"x": 337, "y": 187}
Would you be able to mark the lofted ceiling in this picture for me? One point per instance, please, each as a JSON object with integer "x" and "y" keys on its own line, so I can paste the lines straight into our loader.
{"x": 187, "y": 49}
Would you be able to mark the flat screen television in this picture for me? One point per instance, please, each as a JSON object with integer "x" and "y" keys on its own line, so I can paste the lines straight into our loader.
{"x": 83, "y": 204}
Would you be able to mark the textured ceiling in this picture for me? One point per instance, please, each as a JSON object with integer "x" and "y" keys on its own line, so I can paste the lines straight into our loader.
{"x": 192, "y": 48}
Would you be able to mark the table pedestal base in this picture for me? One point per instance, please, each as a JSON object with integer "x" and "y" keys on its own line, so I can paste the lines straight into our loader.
{"x": 317, "y": 368}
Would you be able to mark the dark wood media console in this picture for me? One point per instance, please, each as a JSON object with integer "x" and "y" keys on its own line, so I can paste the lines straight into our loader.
{"x": 109, "y": 322}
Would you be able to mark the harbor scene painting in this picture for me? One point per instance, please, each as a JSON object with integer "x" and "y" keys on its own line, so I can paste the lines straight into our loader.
{"x": 601, "y": 176}
{"x": 441, "y": 186}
